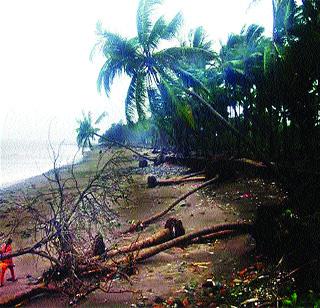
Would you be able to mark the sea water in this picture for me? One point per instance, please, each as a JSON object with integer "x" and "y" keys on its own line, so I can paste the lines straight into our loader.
{"x": 22, "y": 159}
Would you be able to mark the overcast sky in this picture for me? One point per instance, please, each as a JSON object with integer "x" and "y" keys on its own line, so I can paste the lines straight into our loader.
{"x": 46, "y": 77}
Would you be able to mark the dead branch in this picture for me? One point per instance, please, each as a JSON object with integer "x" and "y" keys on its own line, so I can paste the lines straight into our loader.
{"x": 215, "y": 236}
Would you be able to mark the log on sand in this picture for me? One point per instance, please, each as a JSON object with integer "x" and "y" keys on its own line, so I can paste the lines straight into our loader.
{"x": 187, "y": 238}
{"x": 24, "y": 295}
{"x": 172, "y": 229}
{"x": 142, "y": 224}
{"x": 152, "y": 181}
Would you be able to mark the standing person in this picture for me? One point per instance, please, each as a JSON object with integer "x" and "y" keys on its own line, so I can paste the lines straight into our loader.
{"x": 6, "y": 263}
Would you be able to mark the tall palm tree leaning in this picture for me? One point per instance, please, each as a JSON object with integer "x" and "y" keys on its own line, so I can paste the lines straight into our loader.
{"x": 86, "y": 133}
{"x": 150, "y": 68}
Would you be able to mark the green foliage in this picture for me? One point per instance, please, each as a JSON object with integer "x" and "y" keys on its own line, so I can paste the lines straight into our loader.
{"x": 291, "y": 301}
{"x": 267, "y": 89}
{"x": 141, "y": 134}
{"x": 308, "y": 299}
{"x": 158, "y": 77}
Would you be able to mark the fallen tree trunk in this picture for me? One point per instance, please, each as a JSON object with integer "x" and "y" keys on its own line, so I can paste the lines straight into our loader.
{"x": 163, "y": 236}
{"x": 153, "y": 181}
{"x": 142, "y": 224}
{"x": 159, "y": 237}
{"x": 149, "y": 252}
{"x": 26, "y": 295}
{"x": 111, "y": 266}
{"x": 173, "y": 228}
{"x": 193, "y": 174}
{"x": 213, "y": 231}
{"x": 215, "y": 236}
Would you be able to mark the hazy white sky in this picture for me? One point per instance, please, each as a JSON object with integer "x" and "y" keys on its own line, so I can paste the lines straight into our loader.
{"x": 46, "y": 77}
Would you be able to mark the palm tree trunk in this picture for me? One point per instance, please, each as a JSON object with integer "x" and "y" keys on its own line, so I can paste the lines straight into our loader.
{"x": 216, "y": 229}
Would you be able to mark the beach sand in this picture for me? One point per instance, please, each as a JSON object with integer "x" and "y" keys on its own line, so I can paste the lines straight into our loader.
{"x": 173, "y": 268}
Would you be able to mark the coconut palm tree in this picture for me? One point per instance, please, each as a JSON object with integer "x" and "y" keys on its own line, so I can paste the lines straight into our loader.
{"x": 150, "y": 68}
{"x": 86, "y": 133}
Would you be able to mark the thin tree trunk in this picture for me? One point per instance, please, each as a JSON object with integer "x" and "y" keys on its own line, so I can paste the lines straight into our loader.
{"x": 193, "y": 174}
{"x": 175, "y": 181}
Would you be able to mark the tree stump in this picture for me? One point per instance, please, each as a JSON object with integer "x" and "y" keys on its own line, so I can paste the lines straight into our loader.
{"x": 99, "y": 247}
{"x": 143, "y": 163}
{"x": 175, "y": 226}
{"x": 152, "y": 181}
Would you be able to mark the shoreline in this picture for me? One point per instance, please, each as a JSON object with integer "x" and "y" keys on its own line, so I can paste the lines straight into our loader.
{"x": 34, "y": 180}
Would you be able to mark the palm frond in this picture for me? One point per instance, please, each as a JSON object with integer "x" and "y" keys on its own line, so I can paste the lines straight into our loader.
{"x": 118, "y": 47}
{"x": 189, "y": 54}
{"x": 189, "y": 80}
{"x": 182, "y": 108}
{"x": 157, "y": 32}
{"x": 200, "y": 39}
{"x": 121, "y": 57}
{"x": 253, "y": 34}
{"x": 135, "y": 103}
{"x": 108, "y": 72}
{"x": 144, "y": 22}
{"x": 101, "y": 117}
{"x": 173, "y": 27}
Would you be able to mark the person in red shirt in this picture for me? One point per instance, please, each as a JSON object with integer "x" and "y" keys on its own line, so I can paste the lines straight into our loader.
{"x": 6, "y": 263}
